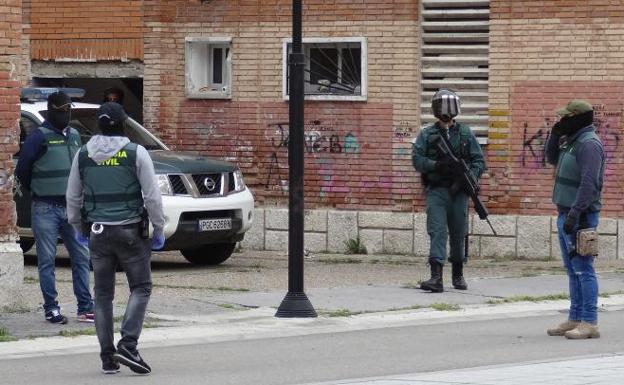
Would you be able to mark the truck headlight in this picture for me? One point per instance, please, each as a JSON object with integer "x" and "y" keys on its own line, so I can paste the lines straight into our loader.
{"x": 164, "y": 185}
{"x": 239, "y": 184}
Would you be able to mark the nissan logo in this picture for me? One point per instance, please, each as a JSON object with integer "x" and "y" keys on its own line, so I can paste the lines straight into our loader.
{"x": 209, "y": 183}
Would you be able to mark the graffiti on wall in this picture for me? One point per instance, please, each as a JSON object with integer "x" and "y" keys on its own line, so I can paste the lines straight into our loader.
{"x": 403, "y": 131}
{"x": 608, "y": 125}
{"x": 321, "y": 141}
{"x": 317, "y": 137}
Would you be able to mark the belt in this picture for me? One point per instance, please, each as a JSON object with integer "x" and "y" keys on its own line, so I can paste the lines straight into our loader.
{"x": 129, "y": 225}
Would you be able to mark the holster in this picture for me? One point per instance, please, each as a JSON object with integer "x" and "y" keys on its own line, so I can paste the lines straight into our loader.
{"x": 85, "y": 227}
{"x": 144, "y": 228}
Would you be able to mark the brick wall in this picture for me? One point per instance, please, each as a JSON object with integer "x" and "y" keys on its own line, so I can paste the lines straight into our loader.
{"x": 11, "y": 260}
{"x": 10, "y": 35}
{"x": 85, "y": 30}
{"x": 542, "y": 54}
{"x": 357, "y": 152}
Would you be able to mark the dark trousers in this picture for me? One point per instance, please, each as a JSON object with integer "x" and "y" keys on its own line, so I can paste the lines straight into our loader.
{"x": 123, "y": 245}
{"x": 447, "y": 219}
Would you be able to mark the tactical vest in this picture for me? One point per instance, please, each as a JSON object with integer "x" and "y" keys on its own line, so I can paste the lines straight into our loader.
{"x": 51, "y": 171}
{"x": 459, "y": 144}
{"x": 112, "y": 192}
{"x": 568, "y": 177}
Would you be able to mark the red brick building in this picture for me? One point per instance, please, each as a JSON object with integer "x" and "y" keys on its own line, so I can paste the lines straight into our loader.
{"x": 11, "y": 262}
{"x": 212, "y": 78}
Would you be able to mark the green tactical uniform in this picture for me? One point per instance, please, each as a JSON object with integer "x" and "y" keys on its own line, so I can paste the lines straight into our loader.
{"x": 112, "y": 191}
{"x": 50, "y": 171}
{"x": 446, "y": 213}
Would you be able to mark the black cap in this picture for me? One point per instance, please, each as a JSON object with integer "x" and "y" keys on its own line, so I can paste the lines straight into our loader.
{"x": 111, "y": 115}
{"x": 58, "y": 100}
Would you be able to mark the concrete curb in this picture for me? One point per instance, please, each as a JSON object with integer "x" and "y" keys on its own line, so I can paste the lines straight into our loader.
{"x": 260, "y": 323}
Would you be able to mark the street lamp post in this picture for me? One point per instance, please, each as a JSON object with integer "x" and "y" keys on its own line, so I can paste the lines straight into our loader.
{"x": 296, "y": 303}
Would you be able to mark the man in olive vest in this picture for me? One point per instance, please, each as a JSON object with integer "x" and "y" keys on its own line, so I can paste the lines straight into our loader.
{"x": 447, "y": 200}
{"x": 576, "y": 150}
{"x": 111, "y": 185}
{"x": 43, "y": 167}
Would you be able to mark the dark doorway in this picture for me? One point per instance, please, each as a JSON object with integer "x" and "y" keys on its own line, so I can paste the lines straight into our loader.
{"x": 132, "y": 89}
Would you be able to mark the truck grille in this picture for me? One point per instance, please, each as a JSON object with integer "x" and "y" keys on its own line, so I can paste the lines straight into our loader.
{"x": 208, "y": 184}
{"x": 202, "y": 185}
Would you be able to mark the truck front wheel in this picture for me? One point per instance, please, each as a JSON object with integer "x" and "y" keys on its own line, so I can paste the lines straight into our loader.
{"x": 209, "y": 255}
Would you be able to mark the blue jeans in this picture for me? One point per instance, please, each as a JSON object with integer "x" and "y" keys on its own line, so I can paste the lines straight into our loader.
{"x": 49, "y": 220}
{"x": 581, "y": 274}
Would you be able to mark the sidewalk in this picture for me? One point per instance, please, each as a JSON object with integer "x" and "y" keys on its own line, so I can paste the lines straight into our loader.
{"x": 603, "y": 370}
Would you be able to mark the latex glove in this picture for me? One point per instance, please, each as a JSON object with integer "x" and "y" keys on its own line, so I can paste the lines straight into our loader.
{"x": 570, "y": 223}
{"x": 80, "y": 238}
{"x": 158, "y": 241}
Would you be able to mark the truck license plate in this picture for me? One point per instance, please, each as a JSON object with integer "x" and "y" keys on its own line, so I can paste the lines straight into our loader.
{"x": 215, "y": 224}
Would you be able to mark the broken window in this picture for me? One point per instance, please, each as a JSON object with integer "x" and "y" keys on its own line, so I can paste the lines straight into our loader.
{"x": 208, "y": 67}
{"x": 335, "y": 68}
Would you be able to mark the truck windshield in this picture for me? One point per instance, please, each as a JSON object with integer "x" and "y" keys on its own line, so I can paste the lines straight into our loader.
{"x": 85, "y": 121}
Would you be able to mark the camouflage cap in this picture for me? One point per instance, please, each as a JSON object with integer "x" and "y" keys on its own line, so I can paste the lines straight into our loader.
{"x": 575, "y": 107}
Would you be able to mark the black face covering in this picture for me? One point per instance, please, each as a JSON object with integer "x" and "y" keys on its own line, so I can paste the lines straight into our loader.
{"x": 59, "y": 119}
{"x": 568, "y": 125}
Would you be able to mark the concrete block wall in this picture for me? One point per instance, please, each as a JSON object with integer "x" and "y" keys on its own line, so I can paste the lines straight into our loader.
{"x": 518, "y": 236}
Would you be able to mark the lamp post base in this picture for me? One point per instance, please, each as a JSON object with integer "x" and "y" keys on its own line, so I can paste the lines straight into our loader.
{"x": 296, "y": 305}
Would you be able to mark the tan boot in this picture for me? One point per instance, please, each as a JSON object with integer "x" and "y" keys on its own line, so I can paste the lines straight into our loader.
{"x": 562, "y": 328}
{"x": 583, "y": 331}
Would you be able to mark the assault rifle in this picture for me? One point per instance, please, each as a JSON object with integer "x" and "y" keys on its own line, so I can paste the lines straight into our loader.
{"x": 465, "y": 178}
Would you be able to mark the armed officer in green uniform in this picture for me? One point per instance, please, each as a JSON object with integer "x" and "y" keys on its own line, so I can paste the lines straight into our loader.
{"x": 447, "y": 200}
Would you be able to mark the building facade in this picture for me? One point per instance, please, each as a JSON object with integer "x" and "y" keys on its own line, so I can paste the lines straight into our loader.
{"x": 11, "y": 261}
{"x": 213, "y": 80}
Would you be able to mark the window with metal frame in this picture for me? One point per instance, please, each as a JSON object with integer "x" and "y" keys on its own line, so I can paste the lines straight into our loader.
{"x": 335, "y": 68}
{"x": 208, "y": 67}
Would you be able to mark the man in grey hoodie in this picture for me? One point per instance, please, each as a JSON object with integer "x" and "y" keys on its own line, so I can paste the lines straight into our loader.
{"x": 111, "y": 184}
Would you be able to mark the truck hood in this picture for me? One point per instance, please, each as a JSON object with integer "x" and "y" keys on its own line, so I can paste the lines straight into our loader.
{"x": 187, "y": 163}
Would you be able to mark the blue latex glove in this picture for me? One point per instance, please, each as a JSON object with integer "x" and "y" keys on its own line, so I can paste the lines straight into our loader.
{"x": 80, "y": 238}
{"x": 158, "y": 241}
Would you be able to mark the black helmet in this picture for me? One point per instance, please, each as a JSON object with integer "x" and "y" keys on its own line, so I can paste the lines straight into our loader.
{"x": 445, "y": 105}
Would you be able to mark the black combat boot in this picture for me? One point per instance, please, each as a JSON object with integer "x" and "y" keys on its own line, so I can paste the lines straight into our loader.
{"x": 459, "y": 282}
{"x": 434, "y": 284}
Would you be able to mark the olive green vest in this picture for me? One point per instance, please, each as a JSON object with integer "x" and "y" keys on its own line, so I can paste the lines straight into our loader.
{"x": 51, "y": 171}
{"x": 459, "y": 144}
{"x": 568, "y": 177}
{"x": 112, "y": 191}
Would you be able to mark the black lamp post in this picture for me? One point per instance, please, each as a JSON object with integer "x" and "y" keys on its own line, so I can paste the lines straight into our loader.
{"x": 296, "y": 303}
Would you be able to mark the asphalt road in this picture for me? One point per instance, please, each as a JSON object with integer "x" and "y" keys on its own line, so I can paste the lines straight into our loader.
{"x": 331, "y": 356}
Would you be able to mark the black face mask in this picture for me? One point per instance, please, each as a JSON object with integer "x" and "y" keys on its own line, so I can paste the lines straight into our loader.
{"x": 568, "y": 125}
{"x": 59, "y": 119}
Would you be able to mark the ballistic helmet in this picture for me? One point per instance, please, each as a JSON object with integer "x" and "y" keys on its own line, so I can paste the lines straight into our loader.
{"x": 445, "y": 105}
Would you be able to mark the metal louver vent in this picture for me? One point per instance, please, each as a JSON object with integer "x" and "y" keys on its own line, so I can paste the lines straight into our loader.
{"x": 455, "y": 55}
